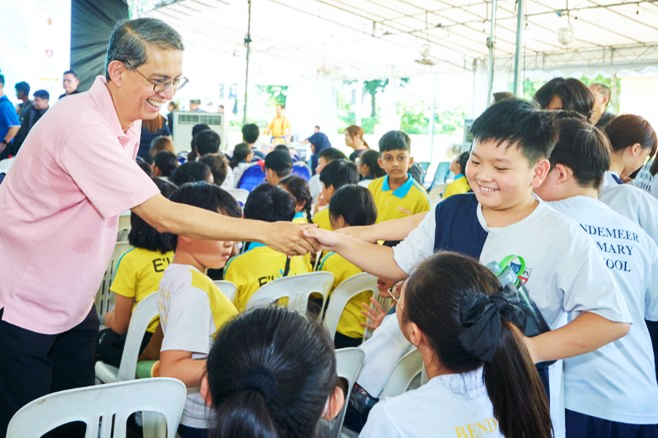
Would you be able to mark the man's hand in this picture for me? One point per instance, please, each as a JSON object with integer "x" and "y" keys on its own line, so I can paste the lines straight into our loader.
{"x": 290, "y": 238}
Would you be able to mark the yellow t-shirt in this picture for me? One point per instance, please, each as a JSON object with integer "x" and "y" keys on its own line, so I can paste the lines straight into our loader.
{"x": 350, "y": 321}
{"x": 408, "y": 199}
{"x": 459, "y": 185}
{"x": 258, "y": 266}
{"x": 300, "y": 218}
{"x": 138, "y": 274}
{"x": 279, "y": 127}
{"x": 322, "y": 219}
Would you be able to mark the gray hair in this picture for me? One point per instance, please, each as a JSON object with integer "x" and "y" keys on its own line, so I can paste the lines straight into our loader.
{"x": 129, "y": 39}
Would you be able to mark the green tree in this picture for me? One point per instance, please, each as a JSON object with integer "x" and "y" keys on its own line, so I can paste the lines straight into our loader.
{"x": 372, "y": 88}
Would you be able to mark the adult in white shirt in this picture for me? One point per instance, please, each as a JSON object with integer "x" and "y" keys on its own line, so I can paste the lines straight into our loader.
{"x": 450, "y": 309}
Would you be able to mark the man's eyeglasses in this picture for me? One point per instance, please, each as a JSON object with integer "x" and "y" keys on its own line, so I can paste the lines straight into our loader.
{"x": 162, "y": 85}
{"x": 395, "y": 292}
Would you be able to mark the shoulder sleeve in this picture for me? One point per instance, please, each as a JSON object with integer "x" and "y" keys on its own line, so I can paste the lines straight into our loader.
{"x": 188, "y": 322}
{"x": 8, "y": 113}
{"x": 105, "y": 172}
{"x": 418, "y": 245}
{"x": 379, "y": 423}
{"x": 124, "y": 282}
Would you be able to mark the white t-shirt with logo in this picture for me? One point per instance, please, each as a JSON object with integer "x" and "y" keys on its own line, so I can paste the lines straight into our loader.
{"x": 635, "y": 204}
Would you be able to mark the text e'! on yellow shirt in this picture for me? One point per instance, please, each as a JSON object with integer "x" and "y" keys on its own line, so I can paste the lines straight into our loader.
{"x": 408, "y": 199}
{"x": 257, "y": 266}
{"x": 138, "y": 274}
{"x": 350, "y": 321}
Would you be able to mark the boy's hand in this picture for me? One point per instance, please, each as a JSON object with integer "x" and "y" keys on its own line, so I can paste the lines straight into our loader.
{"x": 290, "y": 238}
{"x": 325, "y": 238}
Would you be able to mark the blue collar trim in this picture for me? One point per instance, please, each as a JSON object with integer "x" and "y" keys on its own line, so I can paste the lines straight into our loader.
{"x": 401, "y": 191}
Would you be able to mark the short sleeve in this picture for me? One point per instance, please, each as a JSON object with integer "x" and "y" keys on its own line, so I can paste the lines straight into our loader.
{"x": 418, "y": 245}
{"x": 8, "y": 113}
{"x": 124, "y": 282}
{"x": 105, "y": 172}
{"x": 188, "y": 322}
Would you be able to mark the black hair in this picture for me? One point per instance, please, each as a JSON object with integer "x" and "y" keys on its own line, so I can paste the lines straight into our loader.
{"x": 282, "y": 147}
{"x": 393, "y": 141}
{"x": 70, "y": 72}
{"x": 276, "y": 383}
{"x": 143, "y": 235}
{"x": 198, "y": 128}
{"x": 218, "y": 166}
{"x": 240, "y": 154}
{"x": 270, "y": 204}
{"x": 584, "y": 149}
{"x": 434, "y": 300}
{"x": 573, "y": 93}
{"x": 370, "y": 158}
{"x": 355, "y": 204}
{"x": 24, "y": 87}
{"x": 338, "y": 173}
{"x": 166, "y": 162}
{"x": 131, "y": 39}
{"x": 250, "y": 133}
{"x": 207, "y": 196}
{"x": 462, "y": 159}
{"x": 518, "y": 123}
{"x": 626, "y": 130}
{"x": 206, "y": 142}
{"x": 42, "y": 94}
{"x": 331, "y": 154}
{"x": 191, "y": 171}
{"x": 298, "y": 188}
{"x": 280, "y": 162}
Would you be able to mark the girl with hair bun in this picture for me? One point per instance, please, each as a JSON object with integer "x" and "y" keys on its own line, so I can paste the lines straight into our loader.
{"x": 633, "y": 140}
{"x": 271, "y": 373}
{"x": 481, "y": 377}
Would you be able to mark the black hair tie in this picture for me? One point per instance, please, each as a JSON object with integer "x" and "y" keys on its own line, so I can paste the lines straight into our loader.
{"x": 259, "y": 379}
{"x": 480, "y": 314}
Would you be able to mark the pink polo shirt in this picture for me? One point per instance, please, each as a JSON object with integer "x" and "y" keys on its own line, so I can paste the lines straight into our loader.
{"x": 59, "y": 209}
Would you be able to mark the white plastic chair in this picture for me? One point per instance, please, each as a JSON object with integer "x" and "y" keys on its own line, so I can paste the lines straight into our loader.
{"x": 240, "y": 195}
{"x": 228, "y": 288}
{"x": 348, "y": 366}
{"x": 144, "y": 312}
{"x": 297, "y": 288}
{"x": 405, "y": 375}
{"x": 112, "y": 404}
{"x": 344, "y": 292}
{"x": 104, "y": 298}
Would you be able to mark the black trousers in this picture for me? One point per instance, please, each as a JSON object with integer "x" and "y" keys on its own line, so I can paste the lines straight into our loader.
{"x": 33, "y": 364}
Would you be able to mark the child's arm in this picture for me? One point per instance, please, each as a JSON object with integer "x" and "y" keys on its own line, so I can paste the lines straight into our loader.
{"x": 180, "y": 365}
{"x": 396, "y": 229}
{"x": 586, "y": 333}
{"x": 375, "y": 259}
{"x": 119, "y": 318}
{"x": 176, "y": 218}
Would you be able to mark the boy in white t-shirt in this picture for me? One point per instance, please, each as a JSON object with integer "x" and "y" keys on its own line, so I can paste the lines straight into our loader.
{"x": 598, "y": 405}
{"x": 192, "y": 308}
{"x": 563, "y": 268}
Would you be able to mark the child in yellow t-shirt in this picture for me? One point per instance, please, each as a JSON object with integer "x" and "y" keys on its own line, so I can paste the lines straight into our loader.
{"x": 259, "y": 264}
{"x": 334, "y": 176}
{"x": 397, "y": 194}
{"x": 298, "y": 188}
{"x": 460, "y": 183}
{"x": 351, "y": 205}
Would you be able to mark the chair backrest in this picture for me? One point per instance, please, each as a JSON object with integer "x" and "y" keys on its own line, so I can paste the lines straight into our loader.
{"x": 144, "y": 312}
{"x": 253, "y": 176}
{"x": 228, "y": 288}
{"x": 112, "y": 404}
{"x": 297, "y": 288}
{"x": 348, "y": 366}
{"x": 302, "y": 170}
{"x": 405, "y": 372}
{"x": 104, "y": 297}
{"x": 240, "y": 195}
{"x": 343, "y": 293}
{"x": 441, "y": 174}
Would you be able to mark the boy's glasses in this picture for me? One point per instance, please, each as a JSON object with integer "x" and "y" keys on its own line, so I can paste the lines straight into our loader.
{"x": 395, "y": 292}
{"x": 162, "y": 85}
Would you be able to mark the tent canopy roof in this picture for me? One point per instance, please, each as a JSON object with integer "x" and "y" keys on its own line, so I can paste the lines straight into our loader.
{"x": 379, "y": 38}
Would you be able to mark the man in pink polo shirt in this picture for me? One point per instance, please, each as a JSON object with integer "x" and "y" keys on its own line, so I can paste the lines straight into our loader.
{"x": 60, "y": 206}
